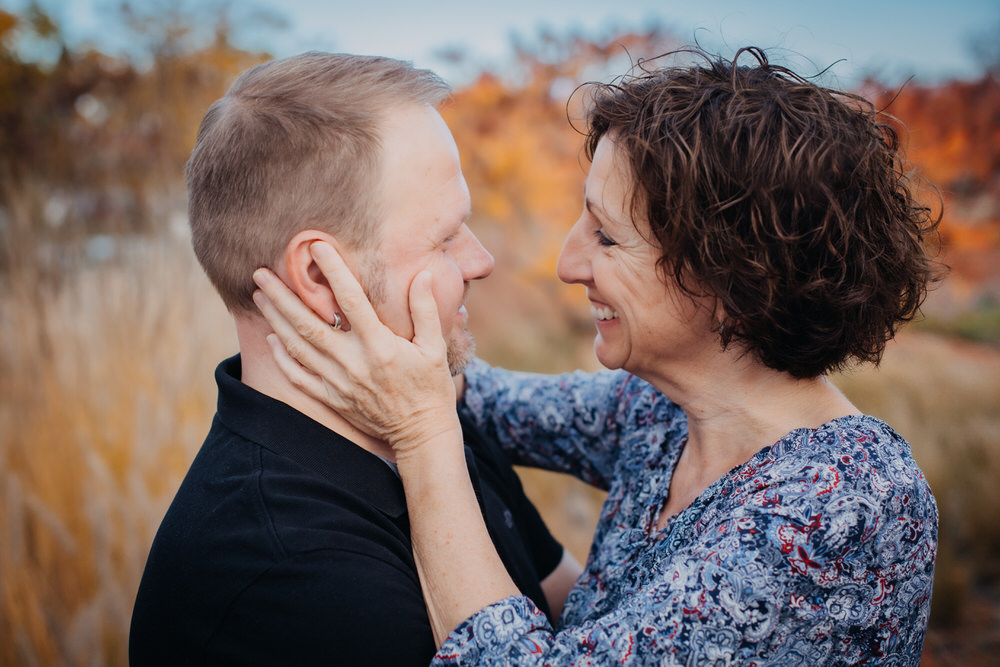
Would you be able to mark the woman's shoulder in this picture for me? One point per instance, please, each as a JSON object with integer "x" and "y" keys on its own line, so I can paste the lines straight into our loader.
{"x": 848, "y": 491}
{"x": 856, "y": 455}
{"x": 863, "y": 440}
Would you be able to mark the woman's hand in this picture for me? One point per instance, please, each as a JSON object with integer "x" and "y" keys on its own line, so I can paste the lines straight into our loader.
{"x": 396, "y": 390}
{"x": 401, "y": 392}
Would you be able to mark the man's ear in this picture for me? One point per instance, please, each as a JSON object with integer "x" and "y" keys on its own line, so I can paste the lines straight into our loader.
{"x": 305, "y": 277}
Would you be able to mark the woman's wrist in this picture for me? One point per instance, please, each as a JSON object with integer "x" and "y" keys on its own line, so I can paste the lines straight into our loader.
{"x": 422, "y": 451}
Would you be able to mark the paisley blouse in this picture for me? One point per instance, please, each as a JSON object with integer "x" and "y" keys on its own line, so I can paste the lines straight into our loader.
{"x": 818, "y": 550}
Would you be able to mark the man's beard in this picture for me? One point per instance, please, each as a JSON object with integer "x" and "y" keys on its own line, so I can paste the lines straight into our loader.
{"x": 461, "y": 350}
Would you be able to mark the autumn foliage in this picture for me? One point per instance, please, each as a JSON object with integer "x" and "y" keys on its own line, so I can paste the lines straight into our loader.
{"x": 953, "y": 139}
{"x": 111, "y": 331}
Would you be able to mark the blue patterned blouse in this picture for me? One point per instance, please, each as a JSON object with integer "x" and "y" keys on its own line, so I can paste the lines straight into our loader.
{"x": 819, "y": 550}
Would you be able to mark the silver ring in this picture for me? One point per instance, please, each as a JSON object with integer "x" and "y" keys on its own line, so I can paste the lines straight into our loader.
{"x": 337, "y": 322}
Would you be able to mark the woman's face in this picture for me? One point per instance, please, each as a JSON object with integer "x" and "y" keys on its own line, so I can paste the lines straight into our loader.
{"x": 641, "y": 322}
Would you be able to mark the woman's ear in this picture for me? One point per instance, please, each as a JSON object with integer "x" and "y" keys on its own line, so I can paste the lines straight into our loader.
{"x": 305, "y": 277}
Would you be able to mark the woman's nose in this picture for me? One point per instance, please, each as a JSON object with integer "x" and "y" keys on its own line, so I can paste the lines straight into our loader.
{"x": 573, "y": 265}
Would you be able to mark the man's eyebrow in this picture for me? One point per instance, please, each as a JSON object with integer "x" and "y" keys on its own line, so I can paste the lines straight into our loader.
{"x": 452, "y": 230}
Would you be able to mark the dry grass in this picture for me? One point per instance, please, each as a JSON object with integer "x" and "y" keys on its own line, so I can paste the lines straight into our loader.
{"x": 106, "y": 392}
{"x": 944, "y": 397}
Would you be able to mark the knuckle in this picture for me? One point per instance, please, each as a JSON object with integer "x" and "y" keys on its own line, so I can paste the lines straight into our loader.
{"x": 350, "y": 302}
{"x": 295, "y": 349}
{"x": 310, "y": 330}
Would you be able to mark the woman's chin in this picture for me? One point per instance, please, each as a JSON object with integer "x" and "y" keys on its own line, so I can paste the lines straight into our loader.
{"x": 609, "y": 356}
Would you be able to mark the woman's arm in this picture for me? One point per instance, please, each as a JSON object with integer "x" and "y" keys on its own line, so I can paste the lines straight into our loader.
{"x": 556, "y": 586}
{"x": 458, "y": 565}
{"x": 568, "y": 423}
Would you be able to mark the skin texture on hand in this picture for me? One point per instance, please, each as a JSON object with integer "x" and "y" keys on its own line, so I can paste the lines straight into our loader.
{"x": 396, "y": 390}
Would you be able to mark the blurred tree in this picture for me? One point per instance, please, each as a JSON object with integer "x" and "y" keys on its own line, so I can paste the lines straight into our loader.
{"x": 104, "y": 137}
{"x": 952, "y": 135}
{"x": 985, "y": 47}
{"x": 518, "y": 133}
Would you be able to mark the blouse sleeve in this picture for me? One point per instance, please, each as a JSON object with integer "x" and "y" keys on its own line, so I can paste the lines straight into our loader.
{"x": 774, "y": 580}
{"x": 568, "y": 423}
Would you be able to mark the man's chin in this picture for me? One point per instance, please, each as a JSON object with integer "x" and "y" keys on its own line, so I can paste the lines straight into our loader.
{"x": 461, "y": 350}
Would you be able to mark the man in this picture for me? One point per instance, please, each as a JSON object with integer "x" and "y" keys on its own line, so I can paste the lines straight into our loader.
{"x": 288, "y": 541}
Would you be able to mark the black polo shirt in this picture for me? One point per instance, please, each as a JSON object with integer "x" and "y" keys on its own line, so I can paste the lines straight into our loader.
{"x": 289, "y": 545}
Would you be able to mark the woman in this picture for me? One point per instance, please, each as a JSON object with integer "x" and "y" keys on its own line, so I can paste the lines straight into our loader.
{"x": 744, "y": 232}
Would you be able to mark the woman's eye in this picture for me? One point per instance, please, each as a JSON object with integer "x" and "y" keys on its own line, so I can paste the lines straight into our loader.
{"x": 603, "y": 239}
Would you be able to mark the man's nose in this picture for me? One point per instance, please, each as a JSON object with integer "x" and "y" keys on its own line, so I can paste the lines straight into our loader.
{"x": 475, "y": 260}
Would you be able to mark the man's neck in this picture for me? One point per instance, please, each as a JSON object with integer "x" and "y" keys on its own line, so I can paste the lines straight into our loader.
{"x": 261, "y": 373}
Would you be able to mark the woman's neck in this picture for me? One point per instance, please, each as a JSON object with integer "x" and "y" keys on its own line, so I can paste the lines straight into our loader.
{"x": 735, "y": 406}
{"x": 734, "y": 410}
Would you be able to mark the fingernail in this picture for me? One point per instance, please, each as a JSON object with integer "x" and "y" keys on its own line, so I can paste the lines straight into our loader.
{"x": 319, "y": 249}
{"x": 259, "y": 298}
{"x": 260, "y": 277}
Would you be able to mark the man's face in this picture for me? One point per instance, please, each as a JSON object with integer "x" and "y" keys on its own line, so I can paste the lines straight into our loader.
{"x": 425, "y": 205}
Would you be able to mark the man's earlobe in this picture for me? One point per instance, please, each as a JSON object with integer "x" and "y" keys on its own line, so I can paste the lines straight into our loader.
{"x": 305, "y": 277}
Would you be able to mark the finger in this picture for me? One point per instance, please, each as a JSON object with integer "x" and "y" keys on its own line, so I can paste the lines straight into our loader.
{"x": 350, "y": 296}
{"x": 307, "y": 381}
{"x": 299, "y": 341}
{"x": 424, "y": 312}
{"x": 287, "y": 310}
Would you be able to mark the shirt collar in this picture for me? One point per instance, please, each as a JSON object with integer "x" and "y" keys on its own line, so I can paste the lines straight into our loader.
{"x": 285, "y": 431}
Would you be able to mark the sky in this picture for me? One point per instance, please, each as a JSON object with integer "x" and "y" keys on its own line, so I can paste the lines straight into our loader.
{"x": 891, "y": 38}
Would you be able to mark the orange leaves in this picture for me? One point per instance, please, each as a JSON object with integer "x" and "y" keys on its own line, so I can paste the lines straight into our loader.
{"x": 953, "y": 131}
{"x": 8, "y": 23}
{"x": 519, "y": 157}
{"x": 951, "y": 135}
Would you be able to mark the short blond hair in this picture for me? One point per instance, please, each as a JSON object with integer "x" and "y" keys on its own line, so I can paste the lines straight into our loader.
{"x": 294, "y": 144}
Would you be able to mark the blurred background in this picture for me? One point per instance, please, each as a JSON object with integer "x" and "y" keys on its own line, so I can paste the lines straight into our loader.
{"x": 110, "y": 332}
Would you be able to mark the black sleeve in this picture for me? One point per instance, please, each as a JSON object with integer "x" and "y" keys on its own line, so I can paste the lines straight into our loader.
{"x": 543, "y": 549}
{"x": 327, "y": 607}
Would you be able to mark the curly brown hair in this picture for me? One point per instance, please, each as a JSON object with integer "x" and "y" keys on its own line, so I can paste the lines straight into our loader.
{"x": 785, "y": 201}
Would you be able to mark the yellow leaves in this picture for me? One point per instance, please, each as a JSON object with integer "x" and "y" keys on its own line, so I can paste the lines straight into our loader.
{"x": 8, "y": 23}
{"x": 495, "y": 205}
{"x": 519, "y": 155}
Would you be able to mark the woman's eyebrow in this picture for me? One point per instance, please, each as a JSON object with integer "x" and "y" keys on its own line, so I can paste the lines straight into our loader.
{"x": 595, "y": 209}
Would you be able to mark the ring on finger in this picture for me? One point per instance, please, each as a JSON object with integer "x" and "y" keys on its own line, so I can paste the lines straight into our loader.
{"x": 337, "y": 322}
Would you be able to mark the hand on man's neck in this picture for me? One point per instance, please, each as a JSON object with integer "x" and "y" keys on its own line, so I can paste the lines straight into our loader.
{"x": 261, "y": 373}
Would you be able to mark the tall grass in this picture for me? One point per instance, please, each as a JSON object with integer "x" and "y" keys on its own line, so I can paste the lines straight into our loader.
{"x": 943, "y": 395}
{"x": 106, "y": 392}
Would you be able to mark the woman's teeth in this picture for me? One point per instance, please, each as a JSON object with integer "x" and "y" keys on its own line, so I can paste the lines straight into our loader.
{"x": 603, "y": 313}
